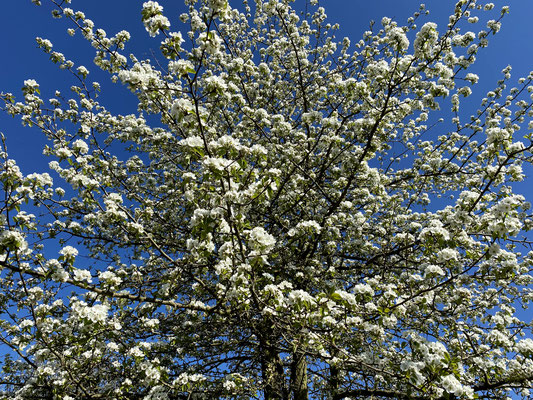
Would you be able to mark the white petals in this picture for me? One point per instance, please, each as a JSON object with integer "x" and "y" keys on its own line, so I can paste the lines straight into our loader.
{"x": 96, "y": 313}
{"x": 261, "y": 239}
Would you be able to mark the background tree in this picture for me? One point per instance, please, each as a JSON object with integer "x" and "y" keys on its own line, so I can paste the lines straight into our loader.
{"x": 283, "y": 217}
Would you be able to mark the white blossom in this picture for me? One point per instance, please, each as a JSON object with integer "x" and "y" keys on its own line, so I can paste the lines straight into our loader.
{"x": 82, "y": 275}
{"x": 68, "y": 252}
{"x": 80, "y": 146}
{"x": 525, "y": 346}
{"x": 96, "y": 313}
{"x": 12, "y": 240}
{"x": 426, "y": 38}
{"x": 261, "y": 239}
{"x": 452, "y": 385}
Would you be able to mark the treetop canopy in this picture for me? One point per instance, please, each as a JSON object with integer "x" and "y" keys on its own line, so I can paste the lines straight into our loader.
{"x": 286, "y": 215}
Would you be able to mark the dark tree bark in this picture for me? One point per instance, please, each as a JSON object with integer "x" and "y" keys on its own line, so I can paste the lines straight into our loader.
{"x": 298, "y": 386}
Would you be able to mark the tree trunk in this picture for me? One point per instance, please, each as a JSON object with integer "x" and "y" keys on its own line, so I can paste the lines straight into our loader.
{"x": 273, "y": 374}
{"x": 298, "y": 385}
{"x": 334, "y": 381}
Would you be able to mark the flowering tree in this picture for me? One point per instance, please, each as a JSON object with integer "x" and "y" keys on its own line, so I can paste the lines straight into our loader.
{"x": 267, "y": 224}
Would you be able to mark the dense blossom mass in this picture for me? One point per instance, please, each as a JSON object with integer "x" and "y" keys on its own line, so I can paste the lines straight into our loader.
{"x": 286, "y": 215}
